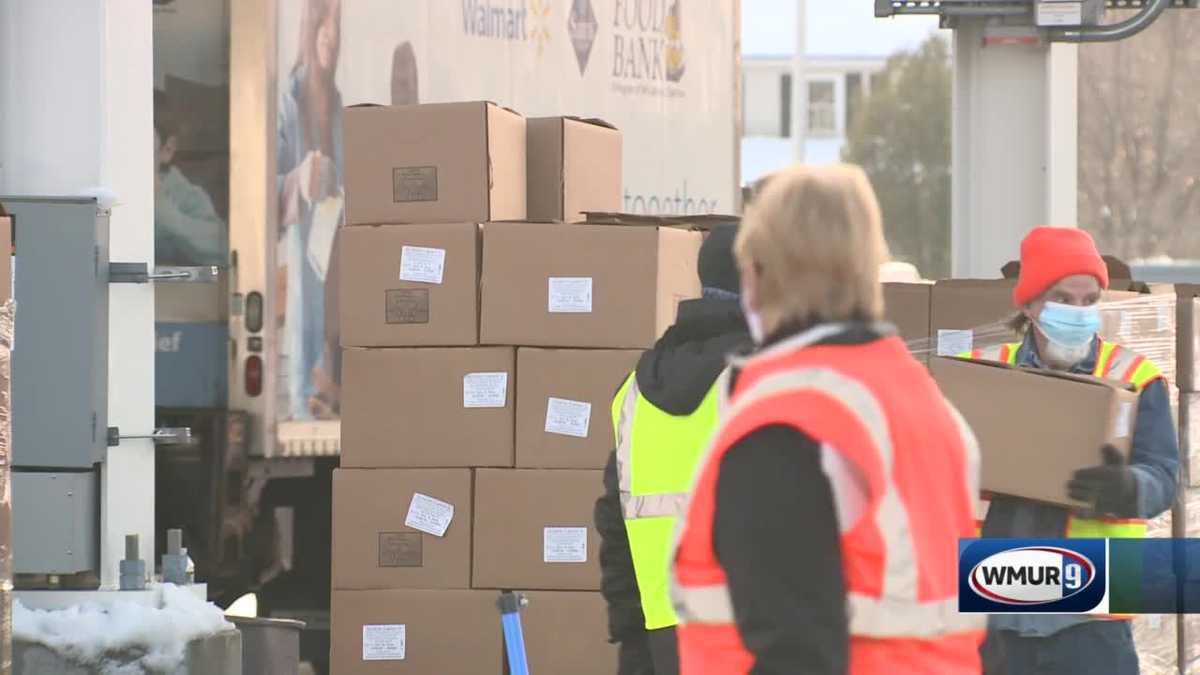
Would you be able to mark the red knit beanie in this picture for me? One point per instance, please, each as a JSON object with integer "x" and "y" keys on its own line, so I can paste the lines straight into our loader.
{"x": 1050, "y": 254}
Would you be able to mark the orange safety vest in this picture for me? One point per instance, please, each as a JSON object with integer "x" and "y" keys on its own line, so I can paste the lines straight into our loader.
{"x": 877, "y": 408}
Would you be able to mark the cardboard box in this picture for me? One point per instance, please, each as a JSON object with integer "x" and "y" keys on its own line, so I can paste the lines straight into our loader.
{"x": 1017, "y": 415}
{"x": 970, "y": 314}
{"x": 410, "y": 285}
{"x": 534, "y": 529}
{"x": 604, "y": 286}
{"x": 908, "y": 308}
{"x": 375, "y": 547}
{"x": 427, "y": 407}
{"x": 415, "y": 632}
{"x": 564, "y": 405}
{"x": 574, "y": 167}
{"x": 1143, "y": 320}
{"x": 6, "y": 254}
{"x": 581, "y": 650}
{"x": 1187, "y": 319}
{"x": 434, "y": 163}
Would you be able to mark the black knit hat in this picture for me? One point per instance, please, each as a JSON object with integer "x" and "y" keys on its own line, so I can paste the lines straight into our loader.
{"x": 717, "y": 267}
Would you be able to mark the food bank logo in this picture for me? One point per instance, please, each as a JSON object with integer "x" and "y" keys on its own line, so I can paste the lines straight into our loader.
{"x": 1023, "y": 576}
{"x": 648, "y": 40}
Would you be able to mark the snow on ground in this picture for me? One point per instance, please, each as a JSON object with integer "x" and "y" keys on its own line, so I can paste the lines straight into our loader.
{"x": 155, "y": 638}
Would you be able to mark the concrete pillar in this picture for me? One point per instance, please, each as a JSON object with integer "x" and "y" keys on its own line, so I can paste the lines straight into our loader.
{"x": 1015, "y": 146}
{"x": 76, "y": 112}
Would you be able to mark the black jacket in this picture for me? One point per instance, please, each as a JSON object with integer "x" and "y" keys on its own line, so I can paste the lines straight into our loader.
{"x": 674, "y": 376}
{"x": 777, "y": 538}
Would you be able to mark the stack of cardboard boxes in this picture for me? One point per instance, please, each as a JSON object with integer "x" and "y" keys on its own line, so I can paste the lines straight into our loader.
{"x": 481, "y": 353}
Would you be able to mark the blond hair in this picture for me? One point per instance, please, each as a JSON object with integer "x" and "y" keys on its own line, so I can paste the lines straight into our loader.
{"x": 814, "y": 242}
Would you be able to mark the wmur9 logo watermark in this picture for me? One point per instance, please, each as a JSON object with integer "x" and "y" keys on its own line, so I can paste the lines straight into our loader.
{"x": 1025, "y": 576}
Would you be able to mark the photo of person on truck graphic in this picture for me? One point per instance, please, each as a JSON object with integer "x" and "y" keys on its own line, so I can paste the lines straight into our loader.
{"x": 309, "y": 181}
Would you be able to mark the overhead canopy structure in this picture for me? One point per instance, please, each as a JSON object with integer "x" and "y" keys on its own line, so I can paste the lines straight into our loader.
{"x": 1015, "y": 149}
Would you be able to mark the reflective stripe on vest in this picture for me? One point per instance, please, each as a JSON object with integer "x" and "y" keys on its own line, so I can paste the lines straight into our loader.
{"x": 897, "y": 612}
{"x": 1113, "y": 362}
{"x": 657, "y": 454}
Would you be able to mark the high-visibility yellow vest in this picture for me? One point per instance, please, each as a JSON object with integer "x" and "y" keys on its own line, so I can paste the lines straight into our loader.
{"x": 1115, "y": 363}
{"x": 657, "y": 453}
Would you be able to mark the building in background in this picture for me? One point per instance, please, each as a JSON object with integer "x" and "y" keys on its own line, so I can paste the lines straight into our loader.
{"x": 837, "y": 86}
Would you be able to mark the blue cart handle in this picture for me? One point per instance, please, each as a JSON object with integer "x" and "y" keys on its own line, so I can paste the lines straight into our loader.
{"x": 510, "y": 605}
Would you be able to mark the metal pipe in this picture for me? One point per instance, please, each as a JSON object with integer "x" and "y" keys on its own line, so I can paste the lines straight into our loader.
{"x": 1113, "y": 32}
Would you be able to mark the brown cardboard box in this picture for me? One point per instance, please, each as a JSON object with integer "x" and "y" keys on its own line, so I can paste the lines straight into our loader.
{"x": 434, "y": 163}
{"x": 606, "y": 286}
{"x": 374, "y": 548}
{"x": 534, "y": 529}
{"x": 970, "y": 314}
{"x": 1188, "y": 337}
{"x": 428, "y": 408}
{"x": 415, "y": 632}
{"x": 568, "y": 633}
{"x": 410, "y": 285}
{"x": 908, "y": 307}
{"x": 1143, "y": 320}
{"x": 574, "y": 166}
{"x": 1017, "y": 415}
{"x": 564, "y": 404}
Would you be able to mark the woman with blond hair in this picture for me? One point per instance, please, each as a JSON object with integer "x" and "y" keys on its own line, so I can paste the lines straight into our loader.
{"x": 822, "y": 530}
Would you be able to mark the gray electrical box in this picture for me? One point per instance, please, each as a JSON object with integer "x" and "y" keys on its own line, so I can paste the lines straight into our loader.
{"x": 59, "y": 383}
{"x": 60, "y": 350}
{"x": 56, "y": 522}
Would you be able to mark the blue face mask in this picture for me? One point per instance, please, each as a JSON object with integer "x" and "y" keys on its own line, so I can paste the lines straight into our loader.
{"x": 1069, "y": 325}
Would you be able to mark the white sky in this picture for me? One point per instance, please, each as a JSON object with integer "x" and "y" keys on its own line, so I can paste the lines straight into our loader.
{"x": 835, "y": 27}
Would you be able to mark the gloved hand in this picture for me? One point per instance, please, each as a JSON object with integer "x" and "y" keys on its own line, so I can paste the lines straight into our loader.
{"x": 1110, "y": 488}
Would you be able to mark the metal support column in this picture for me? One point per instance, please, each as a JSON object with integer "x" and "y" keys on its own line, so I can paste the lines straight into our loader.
{"x": 1015, "y": 144}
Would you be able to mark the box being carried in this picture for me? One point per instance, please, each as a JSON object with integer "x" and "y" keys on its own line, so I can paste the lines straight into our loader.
{"x": 1027, "y": 423}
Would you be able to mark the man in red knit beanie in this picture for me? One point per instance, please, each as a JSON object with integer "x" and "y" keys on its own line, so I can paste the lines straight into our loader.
{"x": 1058, "y": 294}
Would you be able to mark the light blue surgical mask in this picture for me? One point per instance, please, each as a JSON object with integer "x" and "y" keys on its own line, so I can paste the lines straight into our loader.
{"x": 1069, "y": 325}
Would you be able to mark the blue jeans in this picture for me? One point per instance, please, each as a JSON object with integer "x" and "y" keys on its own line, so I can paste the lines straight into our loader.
{"x": 1096, "y": 647}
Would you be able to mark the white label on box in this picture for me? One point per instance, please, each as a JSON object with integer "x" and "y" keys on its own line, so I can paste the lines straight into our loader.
{"x": 421, "y": 264}
{"x": 570, "y": 295}
{"x": 1060, "y": 13}
{"x": 954, "y": 342}
{"x": 485, "y": 390}
{"x": 567, "y": 417}
{"x": 383, "y": 642}
{"x": 429, "y": 515}
{"x": 564, "y": 545}
{"x": 1124, "y": 420}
